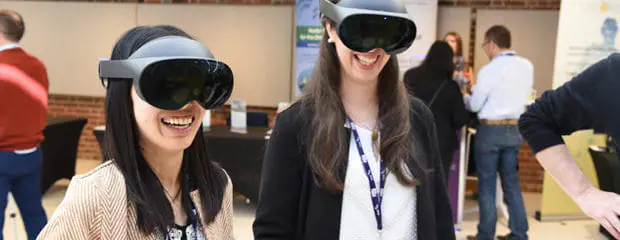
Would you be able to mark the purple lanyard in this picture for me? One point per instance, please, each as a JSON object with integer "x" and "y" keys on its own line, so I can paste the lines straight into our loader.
{"x": 376, "y": 196}
{"x": 505, "y": 54}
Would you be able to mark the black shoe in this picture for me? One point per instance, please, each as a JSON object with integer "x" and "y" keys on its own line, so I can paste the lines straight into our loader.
{"x": 508, "y": 237}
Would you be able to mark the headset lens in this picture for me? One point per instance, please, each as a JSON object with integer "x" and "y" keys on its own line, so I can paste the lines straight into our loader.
{"x": 365, "y": 32}
{"x": 171, "y": 84}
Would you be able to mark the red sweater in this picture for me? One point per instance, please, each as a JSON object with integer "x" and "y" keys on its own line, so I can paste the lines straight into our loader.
{"x": 23, "y": 100}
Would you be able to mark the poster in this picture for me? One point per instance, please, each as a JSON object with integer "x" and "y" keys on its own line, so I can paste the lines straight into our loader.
{"x": 308, "y": 36}
{"x": 587, "y": 33}
{"x": 424, "y": 14}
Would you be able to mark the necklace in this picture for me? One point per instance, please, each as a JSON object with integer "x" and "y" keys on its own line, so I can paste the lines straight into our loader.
{"x": 176, "y": 195}
{"x": 375, "y": 135}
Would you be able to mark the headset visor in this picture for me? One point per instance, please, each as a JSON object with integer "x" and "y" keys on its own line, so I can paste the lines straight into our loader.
{"x": 171, "y": 82}
{"x": 363, "y": 30}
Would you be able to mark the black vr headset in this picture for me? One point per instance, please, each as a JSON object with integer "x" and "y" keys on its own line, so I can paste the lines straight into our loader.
{"x": 170, "y": 72}
{"x": 364, "y": 25}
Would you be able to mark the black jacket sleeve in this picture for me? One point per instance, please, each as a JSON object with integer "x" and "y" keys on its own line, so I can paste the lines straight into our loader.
{"x": 276, "y": 213}
{"x": 444, "y": 223}
{"x": 460, "y": 115}
{"x": 577, "y": 105}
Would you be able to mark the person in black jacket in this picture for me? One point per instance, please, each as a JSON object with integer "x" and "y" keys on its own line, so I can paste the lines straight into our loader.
{"x": 432, "y": 82}
{"x": 356, "y": 157}
{"x": 589, "y": 101}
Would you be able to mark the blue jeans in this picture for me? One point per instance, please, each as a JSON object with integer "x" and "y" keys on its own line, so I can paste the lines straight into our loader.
{"x": 497, "y": 148}
{"x": 21, "y": 175}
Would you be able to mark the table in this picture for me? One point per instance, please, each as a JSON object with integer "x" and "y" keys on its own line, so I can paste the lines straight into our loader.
{"x": 240, "y": 154}
{"x": 59, "y": 147}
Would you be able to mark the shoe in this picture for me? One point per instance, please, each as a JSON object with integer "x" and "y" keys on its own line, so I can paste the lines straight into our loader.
{"x": 508, "y": 237}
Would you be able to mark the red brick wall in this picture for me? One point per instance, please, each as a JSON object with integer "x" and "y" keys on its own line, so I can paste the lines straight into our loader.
{"x": 504, "y": 4}
{"x": 531, "y": 173}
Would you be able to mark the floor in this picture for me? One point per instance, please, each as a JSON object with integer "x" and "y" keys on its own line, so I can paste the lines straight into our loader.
{"x": 244, "y": 216}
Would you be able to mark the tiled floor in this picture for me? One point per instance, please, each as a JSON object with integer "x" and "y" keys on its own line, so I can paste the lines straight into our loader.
{"x": 244, "y": 216}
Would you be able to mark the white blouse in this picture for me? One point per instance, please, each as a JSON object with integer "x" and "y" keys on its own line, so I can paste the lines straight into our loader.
{"x": 398, "y": 206}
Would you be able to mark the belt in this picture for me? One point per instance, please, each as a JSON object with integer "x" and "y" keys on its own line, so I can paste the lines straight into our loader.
{"x": 500, "y": 122}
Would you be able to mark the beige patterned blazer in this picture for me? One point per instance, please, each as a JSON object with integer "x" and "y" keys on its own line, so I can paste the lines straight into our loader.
{"x": 96, "y": 207}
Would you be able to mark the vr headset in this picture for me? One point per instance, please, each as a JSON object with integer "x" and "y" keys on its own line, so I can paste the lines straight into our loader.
{"x": 364, "y": 25}
{"x": 170, "y": 72}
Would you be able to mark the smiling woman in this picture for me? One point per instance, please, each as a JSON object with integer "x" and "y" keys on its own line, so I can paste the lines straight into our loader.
{"x": 159, "y": 183}
{"x": 356, "y": 157}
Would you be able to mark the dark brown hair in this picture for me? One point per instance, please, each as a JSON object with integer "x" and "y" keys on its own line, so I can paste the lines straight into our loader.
{"x": 459, "y": 43}
{"x": 12, "y": 25}
{"x": 327, "y": 144}
{"x": 499, "y": 35}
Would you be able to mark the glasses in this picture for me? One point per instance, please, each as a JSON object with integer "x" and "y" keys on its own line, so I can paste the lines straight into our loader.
{"x": 485, "y": 43}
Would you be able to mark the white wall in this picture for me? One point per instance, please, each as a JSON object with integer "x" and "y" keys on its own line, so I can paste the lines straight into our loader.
{"x": 70, "y": 37}
{"x": 455, "y": 19}
{"x": 533, "y": 37}
{"x": 254, "y": 40}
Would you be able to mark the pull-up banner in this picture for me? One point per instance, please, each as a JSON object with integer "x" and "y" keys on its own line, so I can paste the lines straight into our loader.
{"x": 308, "y": 37}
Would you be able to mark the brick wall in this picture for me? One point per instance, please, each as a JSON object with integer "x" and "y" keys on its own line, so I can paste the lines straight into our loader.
{"x": 504, "y": 4}
{"x": 531, "y": 173}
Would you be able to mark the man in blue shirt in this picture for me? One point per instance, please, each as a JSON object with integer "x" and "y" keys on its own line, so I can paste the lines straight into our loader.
{"x": 499, "y": 97}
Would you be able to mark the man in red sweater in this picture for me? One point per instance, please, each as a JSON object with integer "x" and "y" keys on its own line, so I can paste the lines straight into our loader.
{"x": 23, "y": 109}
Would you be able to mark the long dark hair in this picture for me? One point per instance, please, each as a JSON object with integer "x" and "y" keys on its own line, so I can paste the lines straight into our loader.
{"x": 438, "y": 64}
{"x": 328, "y": 142}
{"x": 144, "y": 190}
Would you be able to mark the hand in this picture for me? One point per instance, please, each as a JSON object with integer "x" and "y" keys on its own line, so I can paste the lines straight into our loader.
{"x": 470, "y": 76}
{"x": 467, "y": 89}
{"x": 456, "y": 75}
{"x": 604, "y": 207}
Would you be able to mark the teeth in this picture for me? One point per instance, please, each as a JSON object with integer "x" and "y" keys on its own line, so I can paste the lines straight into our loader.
{"x": 178, "y": 121}
{"x": 366, "y": 60}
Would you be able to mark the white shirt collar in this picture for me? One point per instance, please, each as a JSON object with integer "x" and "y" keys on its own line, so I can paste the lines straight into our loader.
{"x": 506, "y": 52}
{"x": 8, "y": 46}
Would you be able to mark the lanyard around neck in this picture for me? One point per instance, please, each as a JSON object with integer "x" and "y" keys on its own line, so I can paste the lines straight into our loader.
{"x": 505, "y": 54}
{"x": 376, "y": 195}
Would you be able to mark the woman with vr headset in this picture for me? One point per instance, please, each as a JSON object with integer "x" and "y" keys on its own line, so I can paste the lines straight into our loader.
{"x": 158, "y": 183}
{"x": 356, "y": 157}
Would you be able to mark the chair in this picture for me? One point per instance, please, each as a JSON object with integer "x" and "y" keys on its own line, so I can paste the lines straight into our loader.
{"x": 60, "y": 150}
{"x": 606, "y": 164}
{"x": 242, "y": 157}
{"x": 99, "y": 132}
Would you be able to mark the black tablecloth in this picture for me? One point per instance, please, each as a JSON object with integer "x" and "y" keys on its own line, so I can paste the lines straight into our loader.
{"x": 59, "y": 147}
{"x": 241, "y": 155}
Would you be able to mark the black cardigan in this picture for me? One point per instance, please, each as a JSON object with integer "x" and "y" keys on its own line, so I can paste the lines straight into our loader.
{"x": 591, "y": 100}
{"x": 291, "y": 206}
